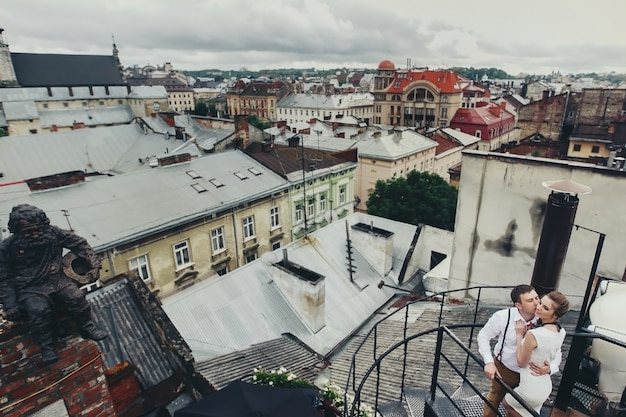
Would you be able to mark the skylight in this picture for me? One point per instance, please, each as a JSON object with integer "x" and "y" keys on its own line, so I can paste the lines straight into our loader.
{"x": 254, "y": 171}
{"x": 216, "y": 183}
{"x": 198, "y": 187}
{"x": 241, "y": 175}
{"x": 193, "y": 174}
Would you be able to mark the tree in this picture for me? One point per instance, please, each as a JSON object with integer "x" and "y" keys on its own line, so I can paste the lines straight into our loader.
{"x": 421, "y": 197}
{"x": 201, "y": 108}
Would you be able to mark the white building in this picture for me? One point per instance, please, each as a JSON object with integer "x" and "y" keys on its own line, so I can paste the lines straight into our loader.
{"x": 295, "y": 108}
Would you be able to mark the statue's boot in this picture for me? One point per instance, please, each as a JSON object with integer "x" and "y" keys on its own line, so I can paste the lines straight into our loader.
{"x": 88, "y": 330}
{"x": 48, "y": 355}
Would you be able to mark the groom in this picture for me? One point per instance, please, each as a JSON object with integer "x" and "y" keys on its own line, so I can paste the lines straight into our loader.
{"x": 502, "y": 361}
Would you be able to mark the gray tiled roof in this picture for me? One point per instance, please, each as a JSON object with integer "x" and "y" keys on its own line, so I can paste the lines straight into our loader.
{"x": 114, "y": 149}
{"x": 270, "y": 355}
{"x": 115, "y": 210}
{"x": 37, "y": 70}
{"x": 88, "y": 116}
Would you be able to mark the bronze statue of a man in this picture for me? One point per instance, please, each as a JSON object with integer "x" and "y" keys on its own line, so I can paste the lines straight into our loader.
{"x": 32, "y": 281}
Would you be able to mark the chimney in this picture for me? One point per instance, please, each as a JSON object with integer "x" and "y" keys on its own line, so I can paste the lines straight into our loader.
{"x": 546, "y": 95}
{"x": 70, "y": 91}
{"x": 91, "y": 90}
{"x": 174, "y": 159}
{"x": 375, "y": 244}
{"x": 305, "y": 290}
{"x": 55, "y": 181}
{"x": 555, "y": 233}
{"x": 49, "y": 91}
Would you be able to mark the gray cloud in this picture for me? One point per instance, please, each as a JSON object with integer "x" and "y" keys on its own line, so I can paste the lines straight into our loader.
{"x": 229, "y": 34}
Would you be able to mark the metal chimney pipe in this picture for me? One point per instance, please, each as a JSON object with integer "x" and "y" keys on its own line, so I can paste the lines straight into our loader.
{"x": 555, "y": 234}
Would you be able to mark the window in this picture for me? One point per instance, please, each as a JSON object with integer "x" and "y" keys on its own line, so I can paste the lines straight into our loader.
{"x": 323, "y": 203}
{"x": 140, "y": 264}
{"x": 217, "y": 239}
{"x": 222, "y": 271}
{"x": 444, "y": 99}
{"x": 577, "y": 148}
{"x": 342, "y": 194}
{"x": 298, "y": 213}
{"x": 310, "y": 210}
{"x": 250, "y": 257}
{"x": 477, "y": 133}
{"x": 181, "y": 253}
{"x": 276, "y": 245}
{"x": 274, "y": 217}
{"x": 444, "y": 113}
{"x": 595, "y": 149}
{"x": 248, "y": 227}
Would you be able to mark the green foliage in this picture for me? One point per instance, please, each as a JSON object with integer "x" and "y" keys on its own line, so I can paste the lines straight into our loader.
{"x": 421, "y": 197}
{"x": 280, "y": 378}
{"x": 331, "y": 394}
{"x": 258, "y": 123}
{"x": 201, "y": 108}
{"x": 477, "y": 73}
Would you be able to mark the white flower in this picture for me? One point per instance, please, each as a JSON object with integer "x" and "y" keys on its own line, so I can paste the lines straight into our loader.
{"x": 282, "y": 370}
{"x": 291, "y": 377}
{"x": 271, "y": 382}
{"x": 254, "y": 377}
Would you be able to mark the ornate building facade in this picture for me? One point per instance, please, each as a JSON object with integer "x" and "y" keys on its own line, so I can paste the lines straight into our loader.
{"x": 415, "y": 97}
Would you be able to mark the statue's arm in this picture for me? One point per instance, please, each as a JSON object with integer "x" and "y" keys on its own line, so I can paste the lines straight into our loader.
{"x": 81, "y": 248}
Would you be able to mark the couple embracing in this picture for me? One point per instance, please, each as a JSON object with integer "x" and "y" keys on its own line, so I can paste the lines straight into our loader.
{"x": 528, "y": 349}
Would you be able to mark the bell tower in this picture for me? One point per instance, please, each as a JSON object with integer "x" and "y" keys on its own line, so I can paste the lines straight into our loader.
{"x": 7, "y": 72}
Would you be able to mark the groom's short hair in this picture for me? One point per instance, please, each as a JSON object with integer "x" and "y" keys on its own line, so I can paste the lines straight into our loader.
{"x": 517, "y": 291}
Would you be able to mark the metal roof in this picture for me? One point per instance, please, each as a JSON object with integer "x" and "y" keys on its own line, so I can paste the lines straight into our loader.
{"x": 36, "y": 70}
{"x": 115, "y": 210}
{"x": 20, "y": 110}
{"x": 116, "y": 149}
{"x": 283, "y": 352}
{"x": 116, "y": 310}
{"x": 62, "y": 93}
{"x": 245, "y": 307}
{"x": 325, "y": 102}
{"x": 89, "y": 116}
{"x": 463, "y": 138}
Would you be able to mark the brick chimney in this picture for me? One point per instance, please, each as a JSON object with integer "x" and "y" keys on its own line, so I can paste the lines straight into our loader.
{"x": 55, "y": 181}
{"x": 375, "y": 244}
{"x": 74, "y": 386}
{"x": 305, "y": 290}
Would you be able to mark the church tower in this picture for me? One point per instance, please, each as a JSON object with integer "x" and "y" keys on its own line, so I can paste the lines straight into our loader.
{"x": 7, "y": 72}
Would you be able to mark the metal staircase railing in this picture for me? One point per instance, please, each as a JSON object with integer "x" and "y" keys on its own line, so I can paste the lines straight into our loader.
{"x": 443, "y": 351}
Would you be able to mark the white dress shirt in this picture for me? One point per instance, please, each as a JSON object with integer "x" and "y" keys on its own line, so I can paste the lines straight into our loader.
{"x": 494, "y": 328}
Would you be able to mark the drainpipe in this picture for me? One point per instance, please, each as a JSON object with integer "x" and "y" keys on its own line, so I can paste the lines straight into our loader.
{"x": 235, "y": 236}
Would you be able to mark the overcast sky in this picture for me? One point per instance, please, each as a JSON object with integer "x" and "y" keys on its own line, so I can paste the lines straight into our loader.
{"x": 530, "y": 36}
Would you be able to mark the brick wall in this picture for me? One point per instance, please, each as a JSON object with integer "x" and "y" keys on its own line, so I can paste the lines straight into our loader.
{"x": 27, "y": 386}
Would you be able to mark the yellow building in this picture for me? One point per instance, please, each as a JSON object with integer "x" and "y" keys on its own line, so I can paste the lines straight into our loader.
{"x": 183, "y": 221}
{"x": 588, "y": 148}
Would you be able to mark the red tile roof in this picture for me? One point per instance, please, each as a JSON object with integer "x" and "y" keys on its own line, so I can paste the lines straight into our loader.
{"x": 481, "y": 116}
{"x": 444, "y": 144}
{"x": 446, "y": 81}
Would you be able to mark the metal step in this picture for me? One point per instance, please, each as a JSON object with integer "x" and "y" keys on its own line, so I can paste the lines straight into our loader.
{"x": 415, "y": 398}
{"x": 392, "y": 409}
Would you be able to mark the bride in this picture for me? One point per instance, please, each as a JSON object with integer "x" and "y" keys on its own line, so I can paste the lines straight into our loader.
{"x": 537, "y": 345}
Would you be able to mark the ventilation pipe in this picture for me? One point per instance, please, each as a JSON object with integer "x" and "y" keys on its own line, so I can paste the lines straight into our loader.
{"x": 555, "y": 233}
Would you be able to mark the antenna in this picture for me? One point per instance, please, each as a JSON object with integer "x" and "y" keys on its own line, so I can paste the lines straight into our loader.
{"x": 66, "y": 214}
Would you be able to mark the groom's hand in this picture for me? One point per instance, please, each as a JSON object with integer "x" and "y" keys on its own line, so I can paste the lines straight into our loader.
{"x": 539, "y": 369}
{"x": 491, "y": 370}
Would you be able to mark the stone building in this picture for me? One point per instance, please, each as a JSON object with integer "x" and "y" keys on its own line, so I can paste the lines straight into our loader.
{"x": 415, "y": 97}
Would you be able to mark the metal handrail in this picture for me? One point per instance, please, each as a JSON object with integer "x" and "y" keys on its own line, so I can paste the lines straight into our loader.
{"x": 373, "y": 332}
{"x": 438, "y": 354}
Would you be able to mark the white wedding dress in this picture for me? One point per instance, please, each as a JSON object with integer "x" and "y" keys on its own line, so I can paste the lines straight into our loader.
{"x": 536, "y": 389}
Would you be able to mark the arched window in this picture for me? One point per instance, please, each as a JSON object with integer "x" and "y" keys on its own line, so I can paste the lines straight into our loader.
{"x": 421, "y": 95}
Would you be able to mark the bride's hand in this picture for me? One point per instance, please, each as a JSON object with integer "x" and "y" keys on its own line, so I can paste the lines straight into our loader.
{"x": 520, "y": 327}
